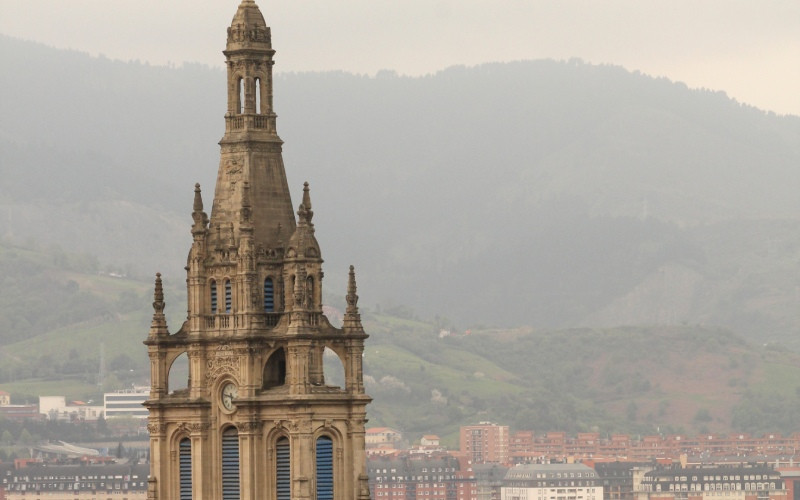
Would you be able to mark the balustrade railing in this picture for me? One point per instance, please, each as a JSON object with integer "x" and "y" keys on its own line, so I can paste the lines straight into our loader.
{"x": 226, "y": 321}
{"x": 236, "y": 123}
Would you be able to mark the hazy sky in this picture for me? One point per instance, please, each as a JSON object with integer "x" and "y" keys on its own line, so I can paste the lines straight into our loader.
{"x": 748, "y": 48}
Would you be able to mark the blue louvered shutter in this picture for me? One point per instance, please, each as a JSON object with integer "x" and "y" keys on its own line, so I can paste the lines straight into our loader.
{"x": 324, "y": 468}
{"x": 230, "y": 464}
{"x": 228, "y": 297}
{"x": 269, "y": 295}
{"x": 185, "y": 468}
{"x": 283, "y": 471}
{"x": 213, "y": 297}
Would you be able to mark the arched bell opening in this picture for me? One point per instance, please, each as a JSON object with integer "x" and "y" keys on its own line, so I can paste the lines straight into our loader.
{"x": 178, "y": 375}
{"x": 333, "y": 369}
{"x": 275, "y": 370}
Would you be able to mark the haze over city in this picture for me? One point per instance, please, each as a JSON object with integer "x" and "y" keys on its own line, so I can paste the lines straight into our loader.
{"x": 558, "y": 240}
{"x": 750, "y": 50}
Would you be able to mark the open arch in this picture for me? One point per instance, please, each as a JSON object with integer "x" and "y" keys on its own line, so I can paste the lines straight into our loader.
{"x": 178, "y": 377}
{"x": 333, "y": 369}
{"x": 240, "y": 95}
{"x": 275, "y": 369}
{"x": 258, "y": 95}
{"x": 309, "y": 292}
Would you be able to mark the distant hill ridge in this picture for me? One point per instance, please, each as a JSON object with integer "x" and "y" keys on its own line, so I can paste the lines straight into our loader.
{"x": 424, "y": 376}
{"x": 555, "y": 194}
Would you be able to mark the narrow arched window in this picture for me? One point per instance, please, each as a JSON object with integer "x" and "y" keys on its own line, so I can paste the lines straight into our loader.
{"x": 283, "y": 478}
{"x": 213, "y": 286}
{"x": 228, "y": 297}
{"x": 240, "y": 94}
{"x": 185, "y": 468}
{"x": 230, "y": 464}
{"x": 309, "y": 293}
{"x": 324, "y": 468}
{"x": 258, "y": 95}
{"x": 269, "y": 295}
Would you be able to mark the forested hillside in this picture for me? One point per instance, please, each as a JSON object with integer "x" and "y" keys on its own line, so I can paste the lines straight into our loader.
{"x": 543, "y": 193}
{"x": 685, "y": 379}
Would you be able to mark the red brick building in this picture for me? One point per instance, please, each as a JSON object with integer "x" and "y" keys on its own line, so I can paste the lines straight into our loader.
{"x": 485, "y": 443}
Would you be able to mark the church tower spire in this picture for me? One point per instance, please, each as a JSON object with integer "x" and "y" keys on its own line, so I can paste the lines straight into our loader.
{"x": 251, "y": 148}
{"x": 257, "y": 418}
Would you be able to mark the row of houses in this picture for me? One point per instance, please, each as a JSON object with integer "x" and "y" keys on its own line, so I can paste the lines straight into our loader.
{"x": 73, "y": 482}
{"x": 490, "y": 442}
{"x": 450, "y": 477}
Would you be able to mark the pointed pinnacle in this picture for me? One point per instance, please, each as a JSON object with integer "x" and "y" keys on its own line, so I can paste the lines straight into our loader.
{"x": 158, "y": 296}
{"x": 305, "y": 213}
{"x": 198, "y": 199}
{"x": 352, "y": 297}
{"x": 306, "y": 196}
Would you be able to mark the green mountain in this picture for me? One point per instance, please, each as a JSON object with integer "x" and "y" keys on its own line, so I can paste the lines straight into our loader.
{"x": 555, "y": 194}
{"x": 424, "y": 376}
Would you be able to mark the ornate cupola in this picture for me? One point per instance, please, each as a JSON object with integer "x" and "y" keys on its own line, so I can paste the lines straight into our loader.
{"x": 258, "y": 418}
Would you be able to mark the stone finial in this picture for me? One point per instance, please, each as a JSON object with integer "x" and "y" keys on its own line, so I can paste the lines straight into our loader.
{"x": 352, "y": 319}
{"x": 305, "y": 213}
{"x": 158, "y": 326}
{"x": 158, "y": 296}
{"x": 352, "y": 298}
{"x": 200, "y": 218}
{"x": 198, "y": 198}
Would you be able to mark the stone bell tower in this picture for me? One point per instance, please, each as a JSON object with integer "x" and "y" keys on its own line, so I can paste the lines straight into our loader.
{"x": 257, "y": 420}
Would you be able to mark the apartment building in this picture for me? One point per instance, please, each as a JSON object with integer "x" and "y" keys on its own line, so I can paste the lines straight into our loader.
{"x": 551, "y": 482}
{"x": 486, "y": 442}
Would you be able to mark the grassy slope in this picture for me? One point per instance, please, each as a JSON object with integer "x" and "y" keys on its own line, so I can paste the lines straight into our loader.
{"x": 632, "y": 379}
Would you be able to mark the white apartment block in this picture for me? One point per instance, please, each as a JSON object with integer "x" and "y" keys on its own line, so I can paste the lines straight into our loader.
{"x": 551, "y": 482}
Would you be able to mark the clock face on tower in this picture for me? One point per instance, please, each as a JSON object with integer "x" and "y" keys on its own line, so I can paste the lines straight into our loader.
{"x": 227, "y": 396}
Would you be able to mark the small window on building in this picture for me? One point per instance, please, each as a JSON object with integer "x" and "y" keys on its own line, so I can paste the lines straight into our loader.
{"x": 269, "y": 295}
{"x": 228, "y": 297}
{"x": 324, "y": 468}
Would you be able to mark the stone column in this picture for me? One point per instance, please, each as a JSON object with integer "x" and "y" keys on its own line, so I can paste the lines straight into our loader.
{"x": 201, "y": 483}
{"x": 297, "y": 366}
{"x": 158, "y": 379}
{"x": 197, "y": 371}
{"x": 302, "y": 459}
{"x": 248, "y": 432}
{"x": 159, "y": 459}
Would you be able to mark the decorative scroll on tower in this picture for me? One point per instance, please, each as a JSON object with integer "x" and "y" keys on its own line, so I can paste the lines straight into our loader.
{"x": 257, "y": 419}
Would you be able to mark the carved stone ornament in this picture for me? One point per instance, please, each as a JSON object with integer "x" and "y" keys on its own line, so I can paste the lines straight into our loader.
{"x": 191, "y": 428}
{"x": 233, "y": 170}
{"x": 244, "y": 351}
{"x": 252, "y": 426}
{"x": 240, "y": 33}
{"x": 224, "y": 362}
{"x": 156, "y": 428}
